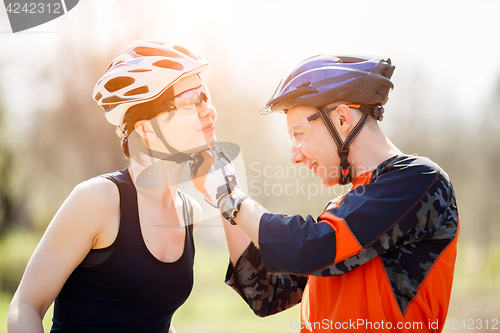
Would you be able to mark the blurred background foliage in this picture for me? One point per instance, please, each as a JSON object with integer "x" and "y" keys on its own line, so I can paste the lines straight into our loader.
{"x": 53, "y": 135}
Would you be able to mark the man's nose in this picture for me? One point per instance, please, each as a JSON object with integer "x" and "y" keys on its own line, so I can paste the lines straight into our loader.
{"x": 296, "y": 155}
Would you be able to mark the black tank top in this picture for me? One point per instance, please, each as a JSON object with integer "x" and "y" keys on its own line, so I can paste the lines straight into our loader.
{"x": 124, "y": 288}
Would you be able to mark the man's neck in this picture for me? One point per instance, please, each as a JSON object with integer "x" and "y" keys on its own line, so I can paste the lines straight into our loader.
{"x": 370, "y": 148}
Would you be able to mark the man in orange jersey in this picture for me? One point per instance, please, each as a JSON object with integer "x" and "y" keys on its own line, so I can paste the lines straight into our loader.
{"x": 381, "y": 257}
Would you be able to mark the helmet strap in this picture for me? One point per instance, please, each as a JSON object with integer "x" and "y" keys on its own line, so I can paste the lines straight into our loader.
{"x": 343, "y": 146}
{"x": 176, "y": 156}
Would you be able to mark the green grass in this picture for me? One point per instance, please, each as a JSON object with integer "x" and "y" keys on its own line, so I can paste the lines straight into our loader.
{"x": 477, "y": 269}
{"x": 16, "y": 249}
{"x": 4, "y": 304}
{"x": 215, "y": 307}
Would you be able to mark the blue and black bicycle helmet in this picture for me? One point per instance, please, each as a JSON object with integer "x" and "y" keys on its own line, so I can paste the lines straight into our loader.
{"x": 324, "y": 79}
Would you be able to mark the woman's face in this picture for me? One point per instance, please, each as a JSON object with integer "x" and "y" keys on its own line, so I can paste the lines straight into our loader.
{"x": 189, "y": 126}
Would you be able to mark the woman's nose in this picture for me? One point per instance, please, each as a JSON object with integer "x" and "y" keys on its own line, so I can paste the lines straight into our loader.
{"x": 205, "y": 109}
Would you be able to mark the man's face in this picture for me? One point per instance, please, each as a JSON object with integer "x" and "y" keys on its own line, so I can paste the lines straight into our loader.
{"x": 318, "y": 151}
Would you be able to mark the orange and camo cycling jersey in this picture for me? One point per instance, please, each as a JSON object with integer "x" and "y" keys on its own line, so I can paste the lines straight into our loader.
{"x": 378, "y": 259}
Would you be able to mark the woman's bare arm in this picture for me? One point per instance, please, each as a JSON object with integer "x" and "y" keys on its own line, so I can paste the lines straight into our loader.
{"x": 82, "y": 223}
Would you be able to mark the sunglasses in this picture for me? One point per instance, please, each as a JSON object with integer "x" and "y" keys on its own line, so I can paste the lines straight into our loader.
{"x": 297, "y": 132}
{"x": 189, "y": 99}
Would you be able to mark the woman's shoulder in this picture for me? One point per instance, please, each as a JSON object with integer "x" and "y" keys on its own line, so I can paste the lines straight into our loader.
{"x": 98, "y": 194}
{"x": 86, "y": 214}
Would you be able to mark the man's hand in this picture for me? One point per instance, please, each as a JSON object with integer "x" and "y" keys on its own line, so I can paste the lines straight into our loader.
{"x": 213, "y": 175}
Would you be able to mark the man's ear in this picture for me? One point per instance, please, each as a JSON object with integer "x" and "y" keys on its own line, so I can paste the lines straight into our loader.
{"x": 144, "y": 128}
{"x": 343, "y": 118}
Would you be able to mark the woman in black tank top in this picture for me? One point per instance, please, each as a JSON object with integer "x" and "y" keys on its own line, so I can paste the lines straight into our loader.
{"x": 118, "y": 255}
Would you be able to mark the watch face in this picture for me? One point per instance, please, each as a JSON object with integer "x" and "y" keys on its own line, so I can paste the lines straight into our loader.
{"x": 227, "y": 207}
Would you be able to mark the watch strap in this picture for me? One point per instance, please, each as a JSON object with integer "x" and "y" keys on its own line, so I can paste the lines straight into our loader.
{"x": 231, "y": 205}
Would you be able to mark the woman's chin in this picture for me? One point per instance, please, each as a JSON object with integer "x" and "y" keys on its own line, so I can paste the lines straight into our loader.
{"x": 210, "y": 139}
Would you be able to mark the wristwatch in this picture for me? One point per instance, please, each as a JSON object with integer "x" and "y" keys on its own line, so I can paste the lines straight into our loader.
{"x": 231, "y": 205}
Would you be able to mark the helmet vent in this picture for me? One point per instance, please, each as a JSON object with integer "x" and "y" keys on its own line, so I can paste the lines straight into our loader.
{"x": 137, "y": 91}
{"x": 169, "y": 64}
{"x": 185, "y": 51}
{"x": 153, "y": 52}
{"x": 114, "y": 99}
{"x": 118, "y": 83}
{"x": 112, "y": 65}
{"x": 98, "y": 96}
{"x": 139, "y": 70}
{"x": 303, "y": 84}
{"x": 382, "y": 90}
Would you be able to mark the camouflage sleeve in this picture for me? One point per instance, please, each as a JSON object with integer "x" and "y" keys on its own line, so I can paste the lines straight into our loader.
{"x": 265, "y": 293}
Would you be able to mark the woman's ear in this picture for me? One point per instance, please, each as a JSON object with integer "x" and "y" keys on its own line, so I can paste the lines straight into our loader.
{"x": 144, "y": 128}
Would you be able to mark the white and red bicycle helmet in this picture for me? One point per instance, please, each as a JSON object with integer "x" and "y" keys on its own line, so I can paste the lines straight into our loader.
{"x": 141, "y": 73}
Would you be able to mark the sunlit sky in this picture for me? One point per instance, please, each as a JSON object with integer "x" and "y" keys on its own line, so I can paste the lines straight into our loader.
{"x": 454, "y": 43}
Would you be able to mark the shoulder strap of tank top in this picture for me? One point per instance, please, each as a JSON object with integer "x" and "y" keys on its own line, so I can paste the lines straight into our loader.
{"x": 118, "y": 177}
{"x": 187, "y": 209}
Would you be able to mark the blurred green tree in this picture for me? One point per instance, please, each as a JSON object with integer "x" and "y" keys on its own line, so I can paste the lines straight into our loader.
{"x": 11, "y": 208}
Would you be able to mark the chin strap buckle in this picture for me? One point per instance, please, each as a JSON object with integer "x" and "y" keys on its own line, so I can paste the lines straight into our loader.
{"x": 345, "y": 168}
{"x": 378, "y": 112}
{"x": 375, "y": 110}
